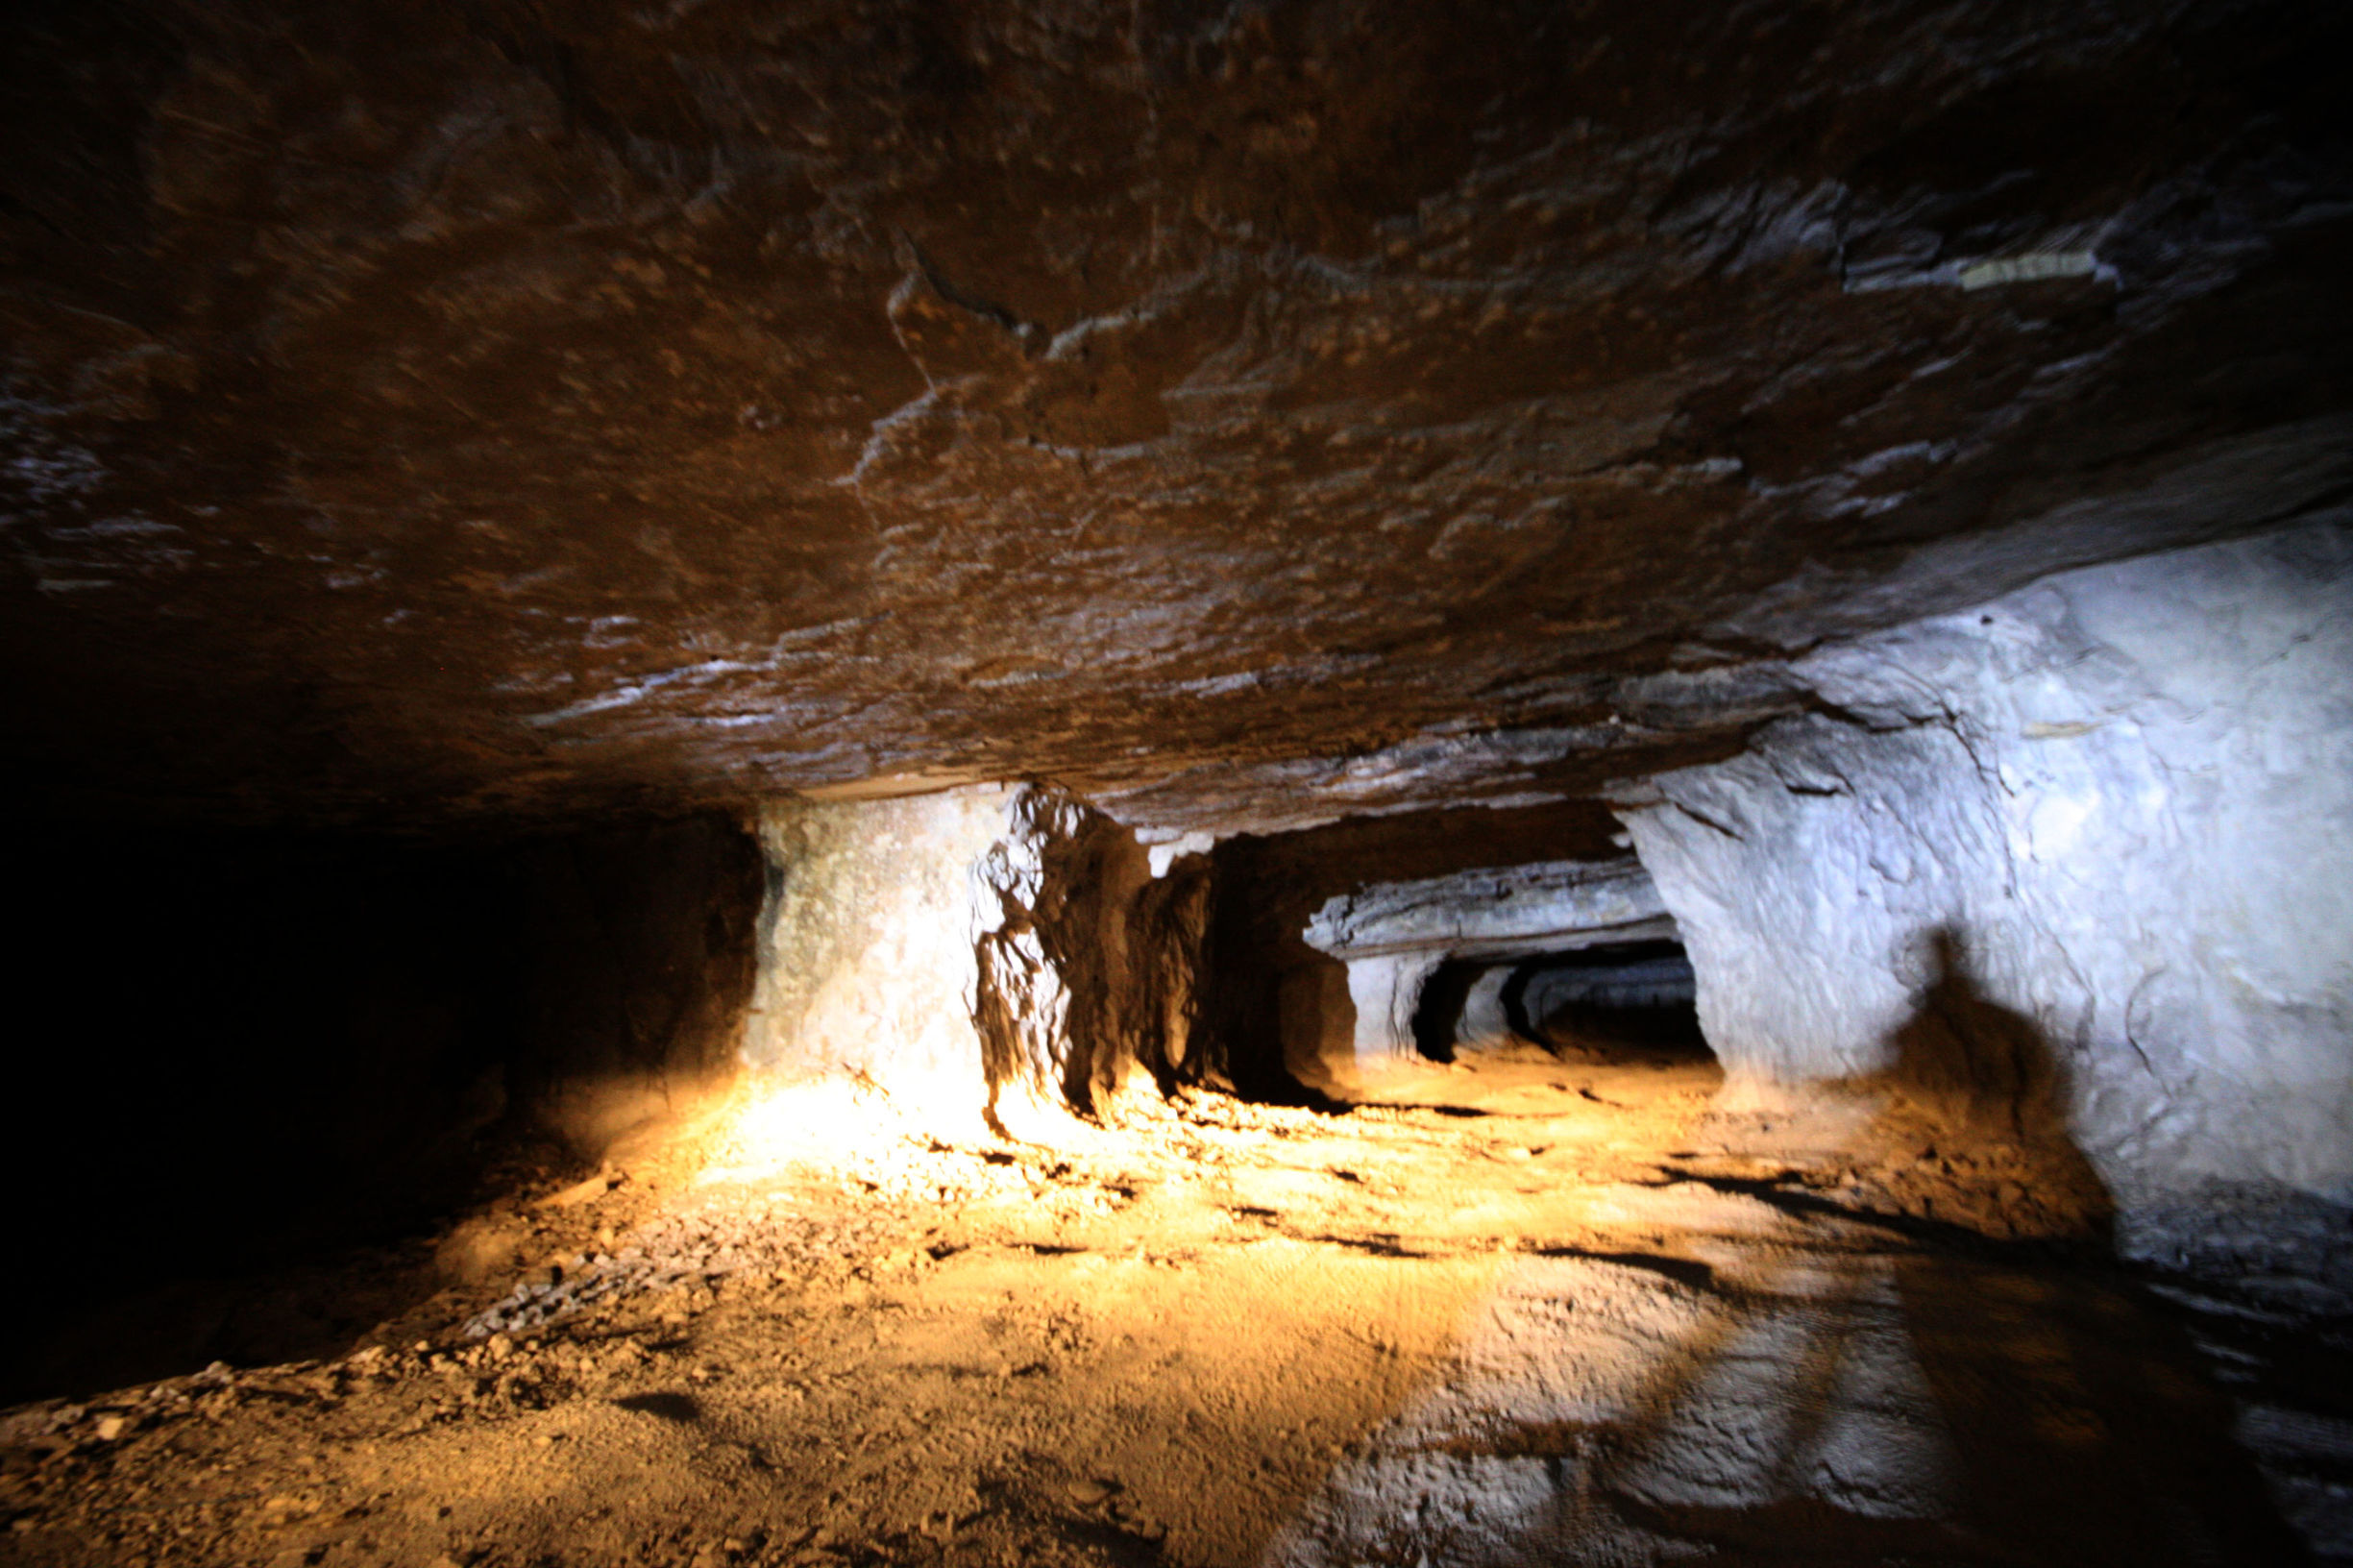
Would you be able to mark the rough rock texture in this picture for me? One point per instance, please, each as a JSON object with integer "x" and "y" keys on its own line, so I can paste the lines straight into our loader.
{"x": 431, "y": 409}
{"x": 1496, "y": 910}
{"x": 1385, "y": 992}
{"x": 1011, "y": 944}
{"x": 1088, "y": 964}
{"x": 1778, "y": 1391}
{"x": 1339, "y": 441}
{"x": 2111, "y": 812}
{"x": 1485, "y": 1021}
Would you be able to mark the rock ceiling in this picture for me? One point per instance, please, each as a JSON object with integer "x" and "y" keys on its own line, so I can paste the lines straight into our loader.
{"x": 447, "y": 409}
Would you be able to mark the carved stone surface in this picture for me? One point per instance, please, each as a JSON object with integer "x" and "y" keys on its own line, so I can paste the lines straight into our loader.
{"x": 1500, "y": 911}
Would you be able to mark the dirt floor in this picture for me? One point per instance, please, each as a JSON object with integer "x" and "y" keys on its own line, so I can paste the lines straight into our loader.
{"x": 1518, "y": 1309}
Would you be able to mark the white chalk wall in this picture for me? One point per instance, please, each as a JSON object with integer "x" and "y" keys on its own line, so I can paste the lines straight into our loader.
{"x": 1386, "y": 989}
{"x": 2128, "y": 793}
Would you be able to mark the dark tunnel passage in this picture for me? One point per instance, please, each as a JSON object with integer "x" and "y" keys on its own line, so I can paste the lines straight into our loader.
{"x": 1610, "y": 1002}
{"x": 1632, "y": 998}
{"x": 325, "y": 1046}
{"x": 1437, "y": 1016}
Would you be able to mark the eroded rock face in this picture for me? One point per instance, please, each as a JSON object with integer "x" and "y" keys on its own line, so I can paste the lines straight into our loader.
{"x": 1247, "y": 415}
{"x": 1286, "y": 428}
{"x": 1087, "y": 965}
{"x": 1497, "y": 911}
{"x": 1000, "y": 945}
{"x": 2115, "y": 810}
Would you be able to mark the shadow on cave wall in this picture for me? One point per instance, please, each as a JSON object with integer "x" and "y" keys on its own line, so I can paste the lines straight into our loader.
{"x": 2055, "y": 1417}
{"x": 2082, "y": 1424}
{"x": 1997, "y": 1077}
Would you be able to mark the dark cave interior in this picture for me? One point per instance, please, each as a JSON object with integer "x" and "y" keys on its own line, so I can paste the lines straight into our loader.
{"x": 1291, "y": 783}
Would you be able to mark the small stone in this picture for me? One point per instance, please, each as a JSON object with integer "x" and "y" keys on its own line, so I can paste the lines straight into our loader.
{"x": 1089, "y": 1492}
{"x": 109, "y": 1428}
{"x": 580, "y": 1192}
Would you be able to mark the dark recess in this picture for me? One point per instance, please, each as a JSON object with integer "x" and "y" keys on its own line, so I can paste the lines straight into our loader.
{"x": 1266, "y": 887}
{"x": 238, "y": 1051}
{"x": 1439, "y": 1016}
{"x": 1616, "y": 1000}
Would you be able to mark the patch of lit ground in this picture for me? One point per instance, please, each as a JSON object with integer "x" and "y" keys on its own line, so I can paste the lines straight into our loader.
{"x": 1516, "y": 1309}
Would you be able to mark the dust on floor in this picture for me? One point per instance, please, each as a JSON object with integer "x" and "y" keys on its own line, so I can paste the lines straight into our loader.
{"x": 1520, "y": 1308}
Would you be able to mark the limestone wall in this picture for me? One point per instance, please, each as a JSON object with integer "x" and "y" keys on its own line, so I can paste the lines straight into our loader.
{"x": 866, "y": 947}
{"x": 2117, "y": 803}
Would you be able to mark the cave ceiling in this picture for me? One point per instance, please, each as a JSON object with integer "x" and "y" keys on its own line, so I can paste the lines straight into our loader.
{"x": 418, "y": 412}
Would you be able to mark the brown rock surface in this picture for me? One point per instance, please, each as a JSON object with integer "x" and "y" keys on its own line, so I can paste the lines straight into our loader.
{"x": 426, "y": 410}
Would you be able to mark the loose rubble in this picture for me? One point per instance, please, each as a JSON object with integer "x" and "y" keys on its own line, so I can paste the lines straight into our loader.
{"x": 693, "y": 1251}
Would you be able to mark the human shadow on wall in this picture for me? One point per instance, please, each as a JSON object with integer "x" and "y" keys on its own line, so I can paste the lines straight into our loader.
{"x": 2081, "y": 1427}
{"x": 1992, "y": 1076}
{"x": 1941, "y": 1366}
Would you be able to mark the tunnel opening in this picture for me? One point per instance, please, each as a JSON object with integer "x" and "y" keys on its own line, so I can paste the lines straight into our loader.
{"x": 887, "y": 784}
{"x": 1622, "y": 1000}
{"x": 1614, "y": 1002}
{"x": 305, "y": 1107}
{"x": 1438, "y": 1014}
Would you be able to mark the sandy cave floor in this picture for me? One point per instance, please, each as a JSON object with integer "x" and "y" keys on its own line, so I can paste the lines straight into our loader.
{"x": 1514, "y": 1309}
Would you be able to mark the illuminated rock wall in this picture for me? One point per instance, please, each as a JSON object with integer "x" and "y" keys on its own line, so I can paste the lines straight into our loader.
{"x": 2118, "y": 803}
{"x": 1002, "y": 941}
{"x": 865, "y": 950}
{"x": 1086, "y": 962}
